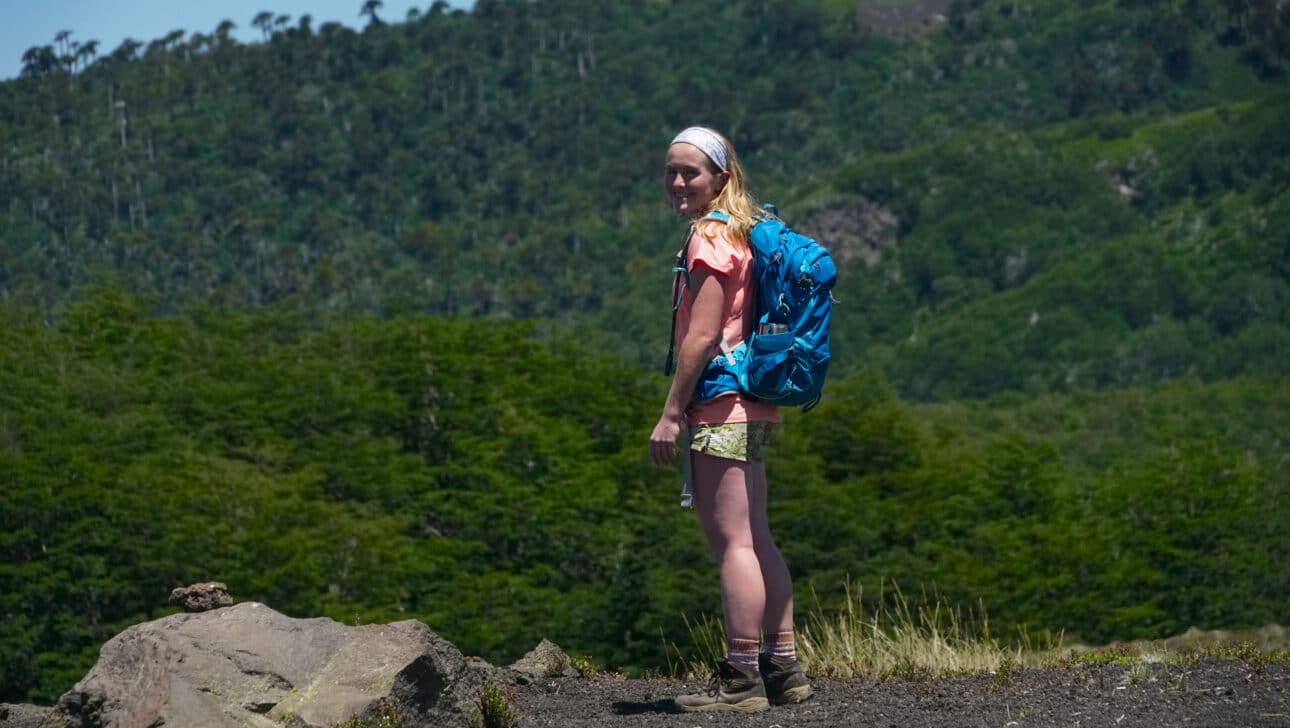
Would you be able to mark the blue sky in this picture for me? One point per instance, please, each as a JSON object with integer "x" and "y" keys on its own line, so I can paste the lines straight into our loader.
{"x": 27, "y": 23}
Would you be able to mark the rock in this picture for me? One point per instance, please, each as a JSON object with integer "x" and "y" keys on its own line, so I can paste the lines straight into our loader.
{"x": 478, "y": 663}
{"x": 201, "y": 597}
{"x": 14, "y": 715}
{"x": 907, "y": 20}
{"x": 248, "y": 665}
{"x": 851, "y": 230}
{"x": 545, "y": 660}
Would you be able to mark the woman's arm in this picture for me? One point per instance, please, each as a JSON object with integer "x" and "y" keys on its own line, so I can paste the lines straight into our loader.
{"x": 695, "y": 351}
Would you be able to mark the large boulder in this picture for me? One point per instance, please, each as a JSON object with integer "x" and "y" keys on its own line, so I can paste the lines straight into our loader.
{"x": 248, "y": 665}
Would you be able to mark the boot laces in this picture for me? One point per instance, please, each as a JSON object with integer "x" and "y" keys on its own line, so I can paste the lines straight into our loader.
{"x": 714, "y": 684}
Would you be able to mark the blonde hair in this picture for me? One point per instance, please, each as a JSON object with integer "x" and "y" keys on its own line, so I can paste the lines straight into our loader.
{"x": 734, "y": 199}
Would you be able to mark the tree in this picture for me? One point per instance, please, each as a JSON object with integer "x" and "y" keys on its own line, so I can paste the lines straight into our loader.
{"x": 1264, "y": 25}
{"x": 264, "y": 21}
{"x": 38, "y": 61}
{"x": 223, "y": 30}
{"x": 66, "y": 47}
{"x": 126, "y": 52}
{"x": 86, "y": 53}
{"x": 369, "y": 10}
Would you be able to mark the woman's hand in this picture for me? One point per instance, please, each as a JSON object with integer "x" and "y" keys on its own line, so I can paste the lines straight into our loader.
{"x": 662, "y": 442}
{"x": 692, "y": 355}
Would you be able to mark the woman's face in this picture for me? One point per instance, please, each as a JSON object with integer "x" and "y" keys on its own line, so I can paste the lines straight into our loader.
{"x": 689, "y": 181}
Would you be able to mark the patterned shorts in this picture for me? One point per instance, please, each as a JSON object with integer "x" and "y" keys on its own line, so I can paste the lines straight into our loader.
{"x": 744, "y": 441}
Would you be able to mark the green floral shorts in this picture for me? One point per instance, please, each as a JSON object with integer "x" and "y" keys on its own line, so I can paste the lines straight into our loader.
{"x": 744, "y": 441}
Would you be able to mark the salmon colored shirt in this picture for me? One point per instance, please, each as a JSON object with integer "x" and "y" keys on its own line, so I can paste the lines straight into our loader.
{"x": 731, "y": 264}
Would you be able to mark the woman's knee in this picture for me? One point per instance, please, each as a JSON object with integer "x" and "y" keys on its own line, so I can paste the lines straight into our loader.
{"x": 726, "y": 543}
{"x": 731, "y": 551}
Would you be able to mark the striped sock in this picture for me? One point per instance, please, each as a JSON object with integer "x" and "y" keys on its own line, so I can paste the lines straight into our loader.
{"x": 742, "y": 651}
{"x": 781, "y": 644}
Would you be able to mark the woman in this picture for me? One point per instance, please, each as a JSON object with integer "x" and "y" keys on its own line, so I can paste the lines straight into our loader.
{"x": 724, "y": 440}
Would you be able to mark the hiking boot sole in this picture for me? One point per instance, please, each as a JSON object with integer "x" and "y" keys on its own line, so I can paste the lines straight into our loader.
{"x": 747, "y": 705}
{"x": 793, "y": 695}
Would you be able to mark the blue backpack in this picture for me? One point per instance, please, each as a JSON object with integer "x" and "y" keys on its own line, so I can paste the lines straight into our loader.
{"x": 785, "y": 360}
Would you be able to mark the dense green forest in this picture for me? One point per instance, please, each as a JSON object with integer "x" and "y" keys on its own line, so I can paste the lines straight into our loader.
{"x": 366, "y": 324}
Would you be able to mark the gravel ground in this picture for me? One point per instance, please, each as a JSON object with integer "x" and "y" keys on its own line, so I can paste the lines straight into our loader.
{"x": 1219, "y": 693}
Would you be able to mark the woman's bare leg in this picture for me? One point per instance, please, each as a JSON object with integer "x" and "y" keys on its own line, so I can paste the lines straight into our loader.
{"x": 777, "y": 582}
{"x": 725, "y": 501}
{"x": 755, "y": 581}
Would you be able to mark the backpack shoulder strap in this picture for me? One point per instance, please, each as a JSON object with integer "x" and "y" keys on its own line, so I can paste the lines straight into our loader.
{"x": 679, "y": 284}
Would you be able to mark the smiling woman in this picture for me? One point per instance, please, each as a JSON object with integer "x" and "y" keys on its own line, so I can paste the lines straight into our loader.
{"x": 724, "y": 440}
{"x": 690, "y": 182}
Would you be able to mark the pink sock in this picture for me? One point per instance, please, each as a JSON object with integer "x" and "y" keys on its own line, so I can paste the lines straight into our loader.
{"x": 781, "y": 644}
{"x": 742, "y": 651}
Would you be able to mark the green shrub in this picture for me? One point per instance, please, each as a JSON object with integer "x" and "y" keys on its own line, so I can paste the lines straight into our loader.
{"x": 494, "y": 709}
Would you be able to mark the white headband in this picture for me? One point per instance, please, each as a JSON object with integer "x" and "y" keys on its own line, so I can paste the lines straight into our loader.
{"x": 708, "y": 142}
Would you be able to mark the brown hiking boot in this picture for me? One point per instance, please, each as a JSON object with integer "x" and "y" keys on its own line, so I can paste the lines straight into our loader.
{"x": 785, "y": 682}
{"x": 733, "y": 687}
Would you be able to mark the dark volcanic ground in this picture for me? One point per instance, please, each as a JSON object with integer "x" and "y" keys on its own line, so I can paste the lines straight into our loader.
{"x": 1219, "y": 693}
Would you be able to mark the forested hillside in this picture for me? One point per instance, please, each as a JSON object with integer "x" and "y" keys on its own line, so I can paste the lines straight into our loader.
{"x": 365, "y": 324}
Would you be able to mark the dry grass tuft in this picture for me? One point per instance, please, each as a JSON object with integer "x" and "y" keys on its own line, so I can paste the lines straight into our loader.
{"x": 929, "y": 641}
{"x": 902, "y": 641}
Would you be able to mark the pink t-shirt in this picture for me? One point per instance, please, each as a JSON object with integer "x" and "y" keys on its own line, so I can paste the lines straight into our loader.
{"x": 732, "y": 264}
